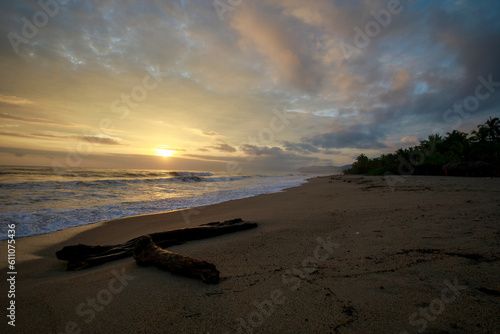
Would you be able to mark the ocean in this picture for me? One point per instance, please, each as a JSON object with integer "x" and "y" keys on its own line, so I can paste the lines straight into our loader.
{"x": 41, "y": 200}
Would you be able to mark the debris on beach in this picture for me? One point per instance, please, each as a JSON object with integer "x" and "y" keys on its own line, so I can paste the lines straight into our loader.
{"x": 85, "y": 256}
{"x": 147, "y": 253}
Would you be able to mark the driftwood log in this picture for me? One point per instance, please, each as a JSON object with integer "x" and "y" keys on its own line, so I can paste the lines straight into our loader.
{"x": 147, "y": 253}
{"x": 85, "y": 256}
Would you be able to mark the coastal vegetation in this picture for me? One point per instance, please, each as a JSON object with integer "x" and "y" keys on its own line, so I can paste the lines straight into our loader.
{"x": 456, "y": 153}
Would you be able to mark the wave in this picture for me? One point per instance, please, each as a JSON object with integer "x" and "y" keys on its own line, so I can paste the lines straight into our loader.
{"x": 190, "y": 174}
{"x": 39, "y": 176}
{"x": 95, "y": 173}
{"x": 133, "y": 174}
{"x": 174, "y": 177}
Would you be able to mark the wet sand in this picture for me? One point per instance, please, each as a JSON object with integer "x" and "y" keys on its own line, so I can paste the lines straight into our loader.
{"x": 340, "y": 254}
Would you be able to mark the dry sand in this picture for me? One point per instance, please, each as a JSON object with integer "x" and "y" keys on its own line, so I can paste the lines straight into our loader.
{"x": 340, "y": 254}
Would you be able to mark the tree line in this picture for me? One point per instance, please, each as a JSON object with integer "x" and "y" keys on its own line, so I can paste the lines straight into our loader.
{"x": 457, "y": 153}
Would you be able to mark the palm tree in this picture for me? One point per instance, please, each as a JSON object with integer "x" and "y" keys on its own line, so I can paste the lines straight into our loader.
{"x": 362, "y": 164}
{"x": 485, "y": 141}
{"x": 479, "y": 136}
{"x": 403, "y": 153}
{"x": 457, "y": 146}
{"x": 431, "y": 144}
{"x": 493, "y": 127}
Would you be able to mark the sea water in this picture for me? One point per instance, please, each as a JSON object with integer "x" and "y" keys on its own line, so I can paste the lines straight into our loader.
{"x": 41, "y": 200}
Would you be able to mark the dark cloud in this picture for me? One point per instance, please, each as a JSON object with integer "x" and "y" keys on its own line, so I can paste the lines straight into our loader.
{"x": 304, "y": 148}
{"x": 223, "y": 147}
{"x": 276, "y": 158}
{"x": 254, "y": 150}
{"x": 346, "y": 139}
{"x": 101, "y": 140}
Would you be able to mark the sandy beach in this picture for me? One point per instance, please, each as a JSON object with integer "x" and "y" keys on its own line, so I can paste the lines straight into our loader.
{"x": 340, "y": 254}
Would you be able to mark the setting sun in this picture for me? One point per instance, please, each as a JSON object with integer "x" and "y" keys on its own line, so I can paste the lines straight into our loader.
{"x": 164, "y": 152}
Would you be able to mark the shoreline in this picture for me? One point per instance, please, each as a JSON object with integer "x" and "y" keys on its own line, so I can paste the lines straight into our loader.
{"x": 336, "y": 254}
{"x": 184, "y": 191}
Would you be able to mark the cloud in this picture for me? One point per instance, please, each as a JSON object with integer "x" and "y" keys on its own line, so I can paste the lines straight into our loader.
{"x": 222, "y": 79}
{"x": 32, "y": 119}
{"x": 264, "y": 31}
{"x": 223, "y": 147}
{"x": 261, "y": 150}
{"x": 12, "y": 134}
{"x": 14, "y": 100}
{"x": 409, "y": 140}
{"x": 101, "y": 140}
{"x": 206, "y": 157}
{"x": 210, "y": 133}
{"x": 304, "y": 148}
{"x": 91, "y": 139}
{"x": 401, "y": 79}
{"x": 275, "y": 158}
{"x": 351, "y": 138}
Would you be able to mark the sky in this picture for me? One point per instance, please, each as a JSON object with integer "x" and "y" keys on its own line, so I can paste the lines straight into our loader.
{"x": 239, "y": 85}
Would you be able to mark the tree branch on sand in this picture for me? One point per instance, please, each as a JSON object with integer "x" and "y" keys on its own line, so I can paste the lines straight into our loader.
{"x": 85, "y": 256}
{"x": 146, "y": 253}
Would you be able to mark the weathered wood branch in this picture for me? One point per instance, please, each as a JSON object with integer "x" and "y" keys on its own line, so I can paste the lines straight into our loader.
{"x": 147, "y": 253}
{"x": 85, "y": 256}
